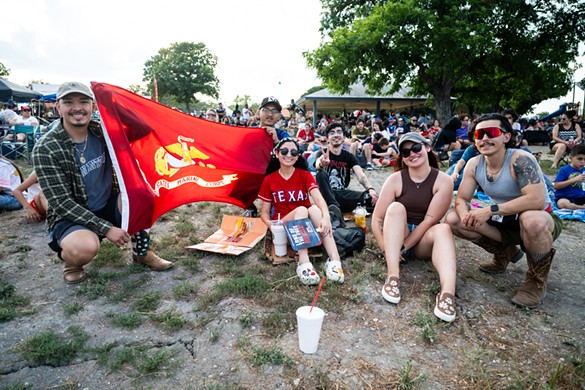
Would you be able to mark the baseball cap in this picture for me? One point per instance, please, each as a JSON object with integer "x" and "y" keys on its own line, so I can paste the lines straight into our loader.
{"x": 271, "y": 99}
{"x": 413, "y": 137}
{"x": 73, "y": 87}
{"x": 25, "y": 108}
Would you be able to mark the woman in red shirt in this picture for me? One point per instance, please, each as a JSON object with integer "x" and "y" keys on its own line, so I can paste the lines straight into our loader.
{"x": 287, "y": 186}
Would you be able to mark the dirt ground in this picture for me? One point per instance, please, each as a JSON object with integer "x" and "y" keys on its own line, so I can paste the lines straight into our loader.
{"x": 245, "y": 337}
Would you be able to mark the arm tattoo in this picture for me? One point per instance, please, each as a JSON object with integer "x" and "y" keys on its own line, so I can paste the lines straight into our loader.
{"x": 467, "y": 205}
{"x": 526, "y": 169}
{"x": 364, "y": 181}
{"x": 381, "y": 225}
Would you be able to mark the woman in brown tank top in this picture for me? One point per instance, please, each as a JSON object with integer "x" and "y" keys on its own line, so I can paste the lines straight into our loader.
{"x": 406, "y": 220}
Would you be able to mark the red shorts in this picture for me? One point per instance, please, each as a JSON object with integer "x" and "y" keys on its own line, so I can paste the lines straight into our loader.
{"x": 34, "y": 205}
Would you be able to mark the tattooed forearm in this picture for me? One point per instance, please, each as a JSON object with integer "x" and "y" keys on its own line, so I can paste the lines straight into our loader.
{"x": 466, "y": 204}
{"x": 527, "y": 171}
{"x": 364, "y": 181}
{"x": 381, "y": 226}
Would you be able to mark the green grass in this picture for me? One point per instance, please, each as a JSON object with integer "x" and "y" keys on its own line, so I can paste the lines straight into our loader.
{"x": 249, "y": 286}
{"x": 407, "y": 381}
{"x": 279, "y": 321}
{"x": 127, "y": 321}
{"x": 11, "y": 304}
{"x": 54, "y": 349}
{"x": 170, "y": 320}
{"x": 261, "y": 355}
{"x": 109, "y": 255}
{"x": 247, "y": 318}
{"x": 72, "y": 308}
{"x": 137, "y": 361}
{"x": 129, "y": 288}
{"x": 427, "y": 324}
{"x": 148, "y": 303}
{"x": 185, "y": 290}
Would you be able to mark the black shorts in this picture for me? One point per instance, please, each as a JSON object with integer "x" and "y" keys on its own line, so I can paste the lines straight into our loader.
{"x": 64, "y": 227}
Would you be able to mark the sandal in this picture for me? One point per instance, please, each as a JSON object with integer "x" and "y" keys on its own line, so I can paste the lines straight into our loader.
{"x": 334, "y": 271}
{"x": 391, "y": 289}
{"x": 445, "y": 307}
{"x": 73, "y": 274}
{"x": 307, "y": 274}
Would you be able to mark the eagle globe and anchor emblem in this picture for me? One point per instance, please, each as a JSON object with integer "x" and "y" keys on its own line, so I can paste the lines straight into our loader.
{"x": 170, "y": 159}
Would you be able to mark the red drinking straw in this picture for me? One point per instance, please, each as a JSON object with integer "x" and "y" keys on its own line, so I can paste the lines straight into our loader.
{"x": 317, "y": 295}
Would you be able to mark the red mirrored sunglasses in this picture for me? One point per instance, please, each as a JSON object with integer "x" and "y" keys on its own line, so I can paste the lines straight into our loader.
{"x": 492, "y": 132}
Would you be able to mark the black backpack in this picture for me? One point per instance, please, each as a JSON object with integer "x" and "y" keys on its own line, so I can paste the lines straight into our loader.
{"x": 349, "y": 240}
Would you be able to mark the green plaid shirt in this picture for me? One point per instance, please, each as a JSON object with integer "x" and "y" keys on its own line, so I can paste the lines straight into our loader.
{"x": 60, "y": 178}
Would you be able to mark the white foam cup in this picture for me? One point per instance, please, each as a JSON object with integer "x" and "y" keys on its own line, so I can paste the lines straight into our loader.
{"x": 279, "y": 238}
{"x": 309, "y": 325}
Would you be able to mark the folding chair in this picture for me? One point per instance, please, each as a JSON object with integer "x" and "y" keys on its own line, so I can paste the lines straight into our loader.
{"x": 443, "y": 155}
{"x": 15, "y": 149}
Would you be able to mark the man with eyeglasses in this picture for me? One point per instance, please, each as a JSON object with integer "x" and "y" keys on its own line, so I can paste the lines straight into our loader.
{"x": 334, "y": 167}
{"x": 269, "y": 115}
{"x": 520, "y": 212}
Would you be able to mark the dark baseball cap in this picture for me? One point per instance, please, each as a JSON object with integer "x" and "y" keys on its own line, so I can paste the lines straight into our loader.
{"x": 271, "y": 100}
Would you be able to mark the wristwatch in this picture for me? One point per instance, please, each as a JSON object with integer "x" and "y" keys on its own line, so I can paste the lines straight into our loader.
{"x": 494, "y": 209}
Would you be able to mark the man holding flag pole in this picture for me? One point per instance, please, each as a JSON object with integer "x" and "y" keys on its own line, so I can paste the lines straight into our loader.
{"x": 75, "y": 171}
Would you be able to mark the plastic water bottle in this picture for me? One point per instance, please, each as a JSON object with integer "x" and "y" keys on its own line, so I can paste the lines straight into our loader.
{"x": 360, "y": 216}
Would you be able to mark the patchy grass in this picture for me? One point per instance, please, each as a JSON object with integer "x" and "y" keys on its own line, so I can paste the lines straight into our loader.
{"x": 279, "y": 321}
{"x": 247, "y": 318}
{"x": 170, "y": 320}
{"x": 11, "y": 304}
{"x": 109, "y": 255}
{"x": 407, "y": 380}
{"x": 54, "y": 349}
{"x": 264, "y": 355}
{"x": 148, "y": 303}
{"x": 72, "y": 308}
{"x": 185, "y": 290}
{"x": 127, "y": 321}
{"x": 249, "y": 286}
{"x": 138, "y": 361}
{"x": 427, "y": 324}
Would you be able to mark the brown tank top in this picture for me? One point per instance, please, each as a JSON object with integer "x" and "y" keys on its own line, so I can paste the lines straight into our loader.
{"x": 417, "y": 197}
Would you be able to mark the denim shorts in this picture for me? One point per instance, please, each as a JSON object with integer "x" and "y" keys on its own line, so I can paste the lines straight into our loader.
{"x": 64, "y": 227}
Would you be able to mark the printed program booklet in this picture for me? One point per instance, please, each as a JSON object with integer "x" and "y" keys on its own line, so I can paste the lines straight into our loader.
{"x": 302, "y": 234}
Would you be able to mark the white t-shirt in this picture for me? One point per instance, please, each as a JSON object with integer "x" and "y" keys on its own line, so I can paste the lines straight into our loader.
{"x": 31, "y": 121}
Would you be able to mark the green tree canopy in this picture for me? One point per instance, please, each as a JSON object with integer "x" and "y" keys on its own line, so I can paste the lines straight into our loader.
{"x": 182, "y": 70}
{"x": 488, "y": 53}
{"x": 4, "y": 71}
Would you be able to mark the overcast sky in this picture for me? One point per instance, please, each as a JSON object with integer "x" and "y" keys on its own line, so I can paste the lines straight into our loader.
{"x": 258, "y": 43}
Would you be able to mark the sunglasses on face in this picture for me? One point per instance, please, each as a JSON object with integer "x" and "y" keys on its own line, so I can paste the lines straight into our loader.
{"x": 414, "y": 149}
{"x": 492, "y": 132}
{"x": 293, "y": 152}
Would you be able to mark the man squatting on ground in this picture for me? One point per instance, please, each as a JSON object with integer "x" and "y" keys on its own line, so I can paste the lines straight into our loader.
{"x": 75, "y": 172}
{"x": 334, "y": 167}
{"x": 520, "y": 212}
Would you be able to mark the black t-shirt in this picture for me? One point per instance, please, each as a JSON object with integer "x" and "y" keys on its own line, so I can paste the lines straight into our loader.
{"x": 339, "y": 169}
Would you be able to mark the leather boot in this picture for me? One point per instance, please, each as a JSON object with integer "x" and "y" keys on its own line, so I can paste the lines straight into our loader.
{"x": 534, "y": 289}
{"x": 503, "y": 255}
{"x": 153, "y": 261}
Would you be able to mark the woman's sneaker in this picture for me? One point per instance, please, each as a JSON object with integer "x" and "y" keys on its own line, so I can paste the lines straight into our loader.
{"x": 391, "y": 289}
{"x": 307, "y": 274}
{"x": 445, "y": 307}
{"x": 334, "y": 271}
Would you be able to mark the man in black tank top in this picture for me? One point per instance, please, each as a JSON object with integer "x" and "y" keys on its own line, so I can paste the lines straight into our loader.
{"x": 519, "y": 213}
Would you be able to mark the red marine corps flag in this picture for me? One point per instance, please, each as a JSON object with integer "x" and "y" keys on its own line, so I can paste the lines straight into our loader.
{"x": 164, "y": 158}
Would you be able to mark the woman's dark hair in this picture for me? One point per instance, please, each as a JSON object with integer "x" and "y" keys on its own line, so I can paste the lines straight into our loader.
{"x": 400, "y": 165}
{"x": 504, "y": 125}
{"x": 453, "y": 124}
{"x": 571, "y": 114}
{"x": 274, "y": 164}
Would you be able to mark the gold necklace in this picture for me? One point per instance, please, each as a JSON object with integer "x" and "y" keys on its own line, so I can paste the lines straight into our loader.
{"x": 81, "y": 157}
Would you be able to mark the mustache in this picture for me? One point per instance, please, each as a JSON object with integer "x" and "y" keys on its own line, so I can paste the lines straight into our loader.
{"x": 78, "y": 112}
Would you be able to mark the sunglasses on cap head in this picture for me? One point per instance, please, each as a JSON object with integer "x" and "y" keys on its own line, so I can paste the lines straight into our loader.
{"x": 404, "y": 152}
{"x": 492, "y": 132}
{"x": 293, "y": 152}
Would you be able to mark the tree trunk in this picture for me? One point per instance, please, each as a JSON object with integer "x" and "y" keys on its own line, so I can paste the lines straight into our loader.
{"x": 442, "y": 97}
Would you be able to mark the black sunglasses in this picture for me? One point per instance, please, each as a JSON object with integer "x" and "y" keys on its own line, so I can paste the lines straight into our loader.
{"x": 415, "y": 149}
{"x": 284, "y": 152}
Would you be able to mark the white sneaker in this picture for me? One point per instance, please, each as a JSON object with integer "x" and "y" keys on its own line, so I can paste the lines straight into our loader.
{"x": 334, "y": 271}
{"x": 307, "y": 274}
